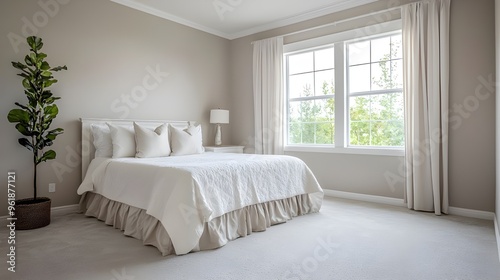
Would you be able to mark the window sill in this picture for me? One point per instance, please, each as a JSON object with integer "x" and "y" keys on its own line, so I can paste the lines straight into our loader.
{"x": 395, "y": 152}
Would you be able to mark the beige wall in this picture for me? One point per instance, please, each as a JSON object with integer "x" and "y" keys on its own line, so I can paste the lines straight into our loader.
{"x": 472, "y": 163}
{"x": 107, "y": 48}
{"x": 472, "y": 141}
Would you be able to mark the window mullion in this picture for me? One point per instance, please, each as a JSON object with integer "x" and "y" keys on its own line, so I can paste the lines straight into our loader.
{"x": 376, "y": 92}
{"x": 321, "y": 97}
{"x": 340, "y": 96}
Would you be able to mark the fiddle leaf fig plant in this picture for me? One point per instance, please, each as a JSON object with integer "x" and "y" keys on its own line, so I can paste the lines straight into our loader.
{"x": 33, "y": 119}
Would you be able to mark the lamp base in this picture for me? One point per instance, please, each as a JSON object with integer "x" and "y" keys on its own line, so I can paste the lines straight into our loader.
{"x": 218, "y": 136}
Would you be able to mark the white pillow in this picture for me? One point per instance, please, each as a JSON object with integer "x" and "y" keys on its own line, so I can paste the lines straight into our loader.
{"x": 151, "y": 143}
{"x": 102, "y": 140}
{"x": 123, "y": 139}
{"x": 186, "y": 141}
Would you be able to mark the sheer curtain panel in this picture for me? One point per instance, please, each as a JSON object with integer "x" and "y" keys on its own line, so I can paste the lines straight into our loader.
{"x": 426, "y": 87}
{"x": 268, "y": 95}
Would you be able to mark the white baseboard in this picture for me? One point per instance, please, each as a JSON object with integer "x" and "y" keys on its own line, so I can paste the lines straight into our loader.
{"x": 365, "y": 197}
{"x": 63, "y": 210}
{"x": 400, "y": 202}
{"x": 497, "y": 234}
{"x": 54, "y": 212}
{"x": 485, "y": 215}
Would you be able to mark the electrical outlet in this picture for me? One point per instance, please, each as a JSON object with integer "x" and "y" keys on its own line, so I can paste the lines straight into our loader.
{"x": 52, "y": 187}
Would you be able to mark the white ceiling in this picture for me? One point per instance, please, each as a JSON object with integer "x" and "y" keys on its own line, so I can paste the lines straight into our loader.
{"x": 237, "y": 18}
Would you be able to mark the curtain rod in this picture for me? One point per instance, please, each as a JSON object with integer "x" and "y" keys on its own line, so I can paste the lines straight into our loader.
{"x": 337, "y": 22}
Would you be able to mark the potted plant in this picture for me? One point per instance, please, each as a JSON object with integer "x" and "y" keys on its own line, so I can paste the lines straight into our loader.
{"x": 33, "y": 121}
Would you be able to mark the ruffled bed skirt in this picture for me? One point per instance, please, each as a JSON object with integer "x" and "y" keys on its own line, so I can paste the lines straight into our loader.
{"x": 135, "y": 222}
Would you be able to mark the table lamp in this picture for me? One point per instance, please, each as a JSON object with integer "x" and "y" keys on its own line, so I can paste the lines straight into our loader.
{"x": 218, "y": 117}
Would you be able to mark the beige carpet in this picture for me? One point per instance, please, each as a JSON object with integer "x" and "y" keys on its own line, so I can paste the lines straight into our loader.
{"x": 346, "y": 240}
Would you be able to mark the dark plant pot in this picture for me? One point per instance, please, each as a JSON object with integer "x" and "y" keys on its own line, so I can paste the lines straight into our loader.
{"x": 31, "y": 213}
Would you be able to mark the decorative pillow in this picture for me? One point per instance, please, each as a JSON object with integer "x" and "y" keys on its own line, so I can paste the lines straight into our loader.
{"x": 123, "y": 140}
{"x": 186, "y": 141}
{"x": 102, "y": 140}
{"x": 151, "y": 143}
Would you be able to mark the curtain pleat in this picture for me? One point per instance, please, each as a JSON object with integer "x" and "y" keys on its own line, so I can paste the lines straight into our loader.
{"x": 268, "y": 95}
{"x": 426, "y": 89}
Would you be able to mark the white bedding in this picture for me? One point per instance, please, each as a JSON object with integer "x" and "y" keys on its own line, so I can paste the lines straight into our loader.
{"x": 184, "y": 192}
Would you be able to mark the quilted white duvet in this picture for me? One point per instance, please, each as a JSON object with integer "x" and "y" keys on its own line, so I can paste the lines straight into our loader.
{"x": 184, "y": 192}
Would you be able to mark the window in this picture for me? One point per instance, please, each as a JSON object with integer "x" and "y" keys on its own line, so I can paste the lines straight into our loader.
{"x": 344, "y": 93}
{"x": 374, "y": 72}
{"x": 311, "y": 89}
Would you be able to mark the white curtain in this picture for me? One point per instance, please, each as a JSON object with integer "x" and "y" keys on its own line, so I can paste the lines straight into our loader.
{"x": 268, "y": 95}
{"x": 426, "y": 86}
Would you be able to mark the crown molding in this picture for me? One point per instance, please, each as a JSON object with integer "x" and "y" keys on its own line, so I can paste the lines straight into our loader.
{"x": 152, "y": 11}
{"x": 346, "y": 4}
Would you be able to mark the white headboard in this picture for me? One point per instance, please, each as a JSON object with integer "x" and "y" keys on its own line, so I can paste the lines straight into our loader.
{"x": 88, "y": 150}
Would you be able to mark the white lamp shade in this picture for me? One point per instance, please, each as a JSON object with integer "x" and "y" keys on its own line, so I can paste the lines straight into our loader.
{"x": 219, "y": 116}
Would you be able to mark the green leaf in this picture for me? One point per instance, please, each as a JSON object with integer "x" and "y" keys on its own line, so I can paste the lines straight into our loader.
{"x": 24, "y": 129}
{"x": 54, "y": 132}
{"x": 19, "y": 65}
{"x": 26, "y": 84}
{"x": 18, "y": 116}
{"x": 32, "y": 102}
{"x": 51, "y": 100}
{"x": 59, "y": 68}
{"x": 24, "y": 75}
{"x": 22, "y": 106}
{"x": 45, "y": 66}
{"x": 57, "y": 130}
{"x": 34, "y": 42}
{"x": 39, "y": 44}
{"x": 25, "y": 143}
{"x": 51, "y": 111}
{"x": 46, "y": 73}
{"x": 31, "y": 41}
{"x": 47, "y": 142}
{"x": 33, "y": 58}
{"x": 48, "y": 155}
{"x": 46, "y": 94}
{"x": 41, "y": 56}
{"x": 28, "y": 61}
{"x": 48, "y": 83}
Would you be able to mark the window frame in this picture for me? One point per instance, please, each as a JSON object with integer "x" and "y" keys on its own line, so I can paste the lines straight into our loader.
{"x": 348, "y": 94}
{"x": 315, "y": 97}
{"x": 342, "y": 119}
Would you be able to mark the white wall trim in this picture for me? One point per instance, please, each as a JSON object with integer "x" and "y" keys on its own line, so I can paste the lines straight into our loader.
{"x": 54, "y": 212}
{"x": 162, "y": 14}
{"x": 63, "y": 210}
{"x": 497, "y": 234}
{"x": 485, "y": 215}
{"x": 339, "y": 6}
{"x": 300, "y": 18}
{"x": 365, "y": 197}
{"x": 395, "y": 152}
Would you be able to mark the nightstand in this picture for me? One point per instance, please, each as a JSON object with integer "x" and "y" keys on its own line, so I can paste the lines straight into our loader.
{"x": 225, "y": 149}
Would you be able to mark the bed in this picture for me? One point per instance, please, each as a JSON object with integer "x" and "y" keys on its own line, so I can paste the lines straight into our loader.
{"x": 192, "y": 202}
